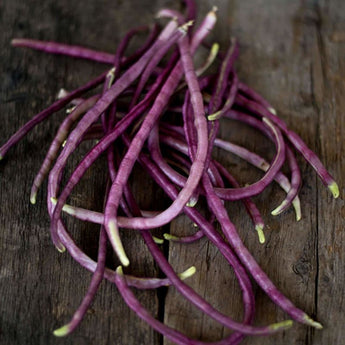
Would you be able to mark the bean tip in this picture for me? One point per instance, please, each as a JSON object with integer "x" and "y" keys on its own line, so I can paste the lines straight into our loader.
{"x": 309, "y": 321}
{"x": 169, "y": 237}
{"x": 119, "y": 270}
{"x": 158, "y": 240}
{"x": 116, "y": 242}
{"x": 62, "y": 331}
{"x": 111, "y": 76}
{"x": 275, "y": 212}
{"x": 259, "y": 228}
{"x": 60, "y": 247}
{"x": 33, "y": 198}
{"x": 279, "y": 209}
{"x": 192, "y": 201}
{"x": 267, "y": 121}
{"x": 272, "y": 110}
{"x": 333, "y": 187}
{"x": 16, "y": 41}
{"x": 297, "y": 206}
{"x": 212, "y": 14}
{"x": 298, "y": 216}
{"x": 284, "y": 205}
{"x": 62, "y": 93}
{"x": 70, "y": 110}
{"x": 184, "y": 28}
{"x": 281, "y": 325}
{"x": 69, "y": 209}
{"x": 214, "y": 116}
{"x": 187, "y": 273}
{"x": 215, "y": 48}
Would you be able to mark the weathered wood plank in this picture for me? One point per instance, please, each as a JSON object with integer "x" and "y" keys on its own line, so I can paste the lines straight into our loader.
{"x": 329, "y": 100}
{"x": 41, "y": 289}
{"x": 278, "y": 58}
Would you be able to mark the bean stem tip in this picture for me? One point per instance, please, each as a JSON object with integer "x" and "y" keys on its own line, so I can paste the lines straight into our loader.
{"x": 333, "y": 187}
{"x": 282, "y": 325}
{"x": 187, "y": 273}
{"x": 33, "y": 198}
{"x": 62, "y": 331}
{"x": 259, "y": 229}
{"x": 309, "y": 321}
{"x": 158, "y": 240}
{"x": 115, "y": 239}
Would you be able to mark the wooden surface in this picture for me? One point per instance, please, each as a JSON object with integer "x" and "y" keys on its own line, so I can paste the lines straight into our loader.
{"x": 293, "y": 52}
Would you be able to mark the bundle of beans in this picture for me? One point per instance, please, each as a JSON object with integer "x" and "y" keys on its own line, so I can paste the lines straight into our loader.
{"x": 144, "y": 96}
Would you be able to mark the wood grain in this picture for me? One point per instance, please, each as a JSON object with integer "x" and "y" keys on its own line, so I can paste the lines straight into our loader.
{"x": 292, "y": 52}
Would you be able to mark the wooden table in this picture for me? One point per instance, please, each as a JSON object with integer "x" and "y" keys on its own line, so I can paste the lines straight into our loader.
{"x": 293, "y": 52}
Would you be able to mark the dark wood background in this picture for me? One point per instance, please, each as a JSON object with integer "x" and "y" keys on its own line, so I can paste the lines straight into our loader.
{"x": 293, "y": 52}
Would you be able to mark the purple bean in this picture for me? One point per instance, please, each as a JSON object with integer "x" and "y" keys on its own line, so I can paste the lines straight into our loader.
{"x": 56, "y": 106}
{"x": 150, "y": 67}
{"x": 58, "y": 141}
{"x": 259, "y": 186}
{"x": 74, "y": 138}
{"x": 82, "y": 52}
{"x": 292, "y": 192}
{"x": 296, "y": 182}
{"x": 241, "y": 152}
{"x": 252, "y": 210}
{"x": 249, "y": 262}
{"x": 296, "y": 141}
{"x": 137, "y": 143}
{"x": 64, "y": 49}
{"x": 86, "y": 262}
{"x": 109, "y": 138}
{"x": 194, "y": 298}
{"x": 96, "y": 280}
{"x": 223, "y": 77}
